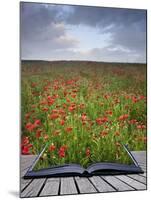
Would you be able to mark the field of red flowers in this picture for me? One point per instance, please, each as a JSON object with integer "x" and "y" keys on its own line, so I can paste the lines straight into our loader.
{"x": 82, "y": 110}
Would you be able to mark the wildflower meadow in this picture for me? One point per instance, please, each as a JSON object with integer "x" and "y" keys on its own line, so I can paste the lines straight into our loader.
{"x": 83, "y": 111}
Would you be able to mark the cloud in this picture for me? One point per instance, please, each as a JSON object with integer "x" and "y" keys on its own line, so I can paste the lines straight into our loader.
{"x": 42, "y": 31}
{"x": 96, "y": 54}
{"x": 126, "y": 26}
{"x": 45, "y": 32}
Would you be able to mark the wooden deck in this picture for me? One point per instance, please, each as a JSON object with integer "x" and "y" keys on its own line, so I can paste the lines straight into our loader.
{"x": 80, "y": 185}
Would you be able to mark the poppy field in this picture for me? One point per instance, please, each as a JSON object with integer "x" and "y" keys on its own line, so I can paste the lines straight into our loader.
{"x": 82, "y": 110}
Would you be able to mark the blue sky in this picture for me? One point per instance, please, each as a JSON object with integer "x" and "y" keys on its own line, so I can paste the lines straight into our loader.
{"x": 62, "y": 32}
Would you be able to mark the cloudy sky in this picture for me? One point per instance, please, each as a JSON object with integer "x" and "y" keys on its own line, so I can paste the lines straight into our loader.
{"x": 62, "y": 32}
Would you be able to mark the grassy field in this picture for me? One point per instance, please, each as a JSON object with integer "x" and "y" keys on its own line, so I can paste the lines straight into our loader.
{"x": 82, "y": 110}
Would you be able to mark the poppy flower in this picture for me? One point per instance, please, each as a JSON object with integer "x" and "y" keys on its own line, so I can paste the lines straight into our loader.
{"x": 103, "y": 133}
{"x": 61, "y": 112}
{"x": 141, "y": 127}
{"x": 142, "y": 97}
{"x": 64, "y": 147}
{"x": 133, "y": 121}
{"x": 25, "y": 150}
{"x": 134, "y": 99}
{"x": 72, "y": 108}
{"x": 62, "y": 122}
{"x": 68, "y": 100}
{"x": 102, "y": 120}
{"x": 29, "y": 126}
{"x": 38, "y": 133}
{"x": 54, "y": 116}
{"x": 84, "y": 117}
{"x": 45, "y": 109}
{"x": 123, "y": 117}
{"x": 106, "y": 96}
{"x": 109, "y": 112}
{"x": 25, "y": 140}
{"x": 88, "y": 152}
{"x": 69, "y": 129}
{"x": 61, "y": 152}
{"x": 37, "y": 122}
{"x": 52, "y": 147}
{"x": 73, "y": 95}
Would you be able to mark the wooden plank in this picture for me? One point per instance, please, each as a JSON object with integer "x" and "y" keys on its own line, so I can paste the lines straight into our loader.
{"x": 139, "y": 178}
{"x": 24, "y": 183}
{"x": 68, "y": 186}
{"x": 84, "y": 185}
{"x": 140, "y": 156}
{"x": 116, "y": 183}
{"x": 144, "y": 169}
{"x": 101, "y": 185}
{"x": 135, "y": 184}
{"x": 51, "y": 187}
{"x": 26, "y": 162}
{"x": 144, "y": 174}
{"x": 33, "y": 189}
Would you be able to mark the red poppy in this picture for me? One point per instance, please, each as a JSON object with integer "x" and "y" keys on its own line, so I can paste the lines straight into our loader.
{"x": 133, "y": 121}
{"x": 62, "y": 122}
{"x": 141, "y": 127}
{"x": 45, "y": 109}
{"x": 88, "y": 152}
{"x": 61, "y": 112}
{"x": 73, "y": 95}
{"x": 54, "y": 111}
{"x": 50, "y": 100}
{"x": 72, "y": 107}
{"x": 84, "y": 117}
{"x": 142, "y": 97}
{"x": 38, "y": 133}
{"x": 64, "y": 147}
{"x": 102, "y": 120}
{"x": 29, "y": 126}
{"x": 103, "y": 133}
{"x": 69, "y": 129}
{"x": 61, "y": 152}
{"x": 37, "y": 122}
{"x": 54, "y": 116}
{"x": 25, "y": 150}
{"x": 25, "y": 140}
{"x": 123, "y": 117}
{"x": 52, "y": 147}
{"x": 68, "y": 100}
{"x": 106, "y": 96}
{"x": 109, "y": 112}
{"x": 134, "y": 99}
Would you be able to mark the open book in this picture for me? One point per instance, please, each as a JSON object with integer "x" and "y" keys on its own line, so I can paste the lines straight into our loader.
{"x": 100, "y": 168}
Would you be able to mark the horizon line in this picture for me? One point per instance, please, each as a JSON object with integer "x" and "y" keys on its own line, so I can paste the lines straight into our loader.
{"x": 45, "y": 60}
